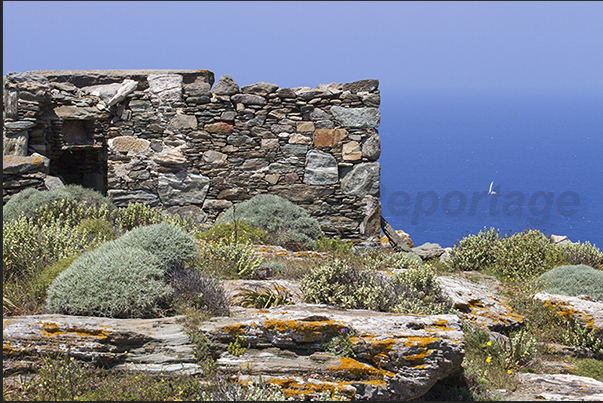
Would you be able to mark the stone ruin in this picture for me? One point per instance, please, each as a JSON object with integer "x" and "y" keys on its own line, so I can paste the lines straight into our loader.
{"x": 175, "y": 140}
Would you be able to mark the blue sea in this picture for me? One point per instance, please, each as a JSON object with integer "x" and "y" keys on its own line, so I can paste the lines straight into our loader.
{"x": 543, "y": 153}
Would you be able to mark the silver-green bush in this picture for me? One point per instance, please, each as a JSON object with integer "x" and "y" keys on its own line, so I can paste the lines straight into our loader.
{"x": 170, "y": 244}
{"x": 573, "y": 280}
{"x": 286, "y": 223}
{"x": 117, "y": 282}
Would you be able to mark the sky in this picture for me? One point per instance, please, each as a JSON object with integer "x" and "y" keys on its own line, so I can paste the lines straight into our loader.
{"x": 411, "y": 47}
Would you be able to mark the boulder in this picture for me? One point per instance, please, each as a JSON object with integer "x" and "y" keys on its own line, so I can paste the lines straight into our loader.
{"x": 428, "y": 250}
{"x": 226, "y": 85}
{"x": 181, "y": 189}
{"x": 16, "y": 144}
{"x": 262, "y": 88}
{"x": 478, "y": 303}
{"x": 403, "y": 355}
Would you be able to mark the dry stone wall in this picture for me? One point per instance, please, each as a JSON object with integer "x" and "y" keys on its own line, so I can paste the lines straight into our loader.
{"x": 176, "y": 140}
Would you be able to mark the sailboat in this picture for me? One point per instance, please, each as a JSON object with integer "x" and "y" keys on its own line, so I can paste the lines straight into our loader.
{"x": 490, "y": 191}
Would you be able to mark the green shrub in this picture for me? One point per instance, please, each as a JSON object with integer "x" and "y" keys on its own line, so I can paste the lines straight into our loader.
{"x": 240, "y": 231}
{"x": 334, "y": 245}
{"x": 420, "y": 293}
{"x": 591, "y": 368}
{"x": 262, "y": 297}
{"x": 117, "y": 282}
{"x": 582, "y": 253}
{"x": 28, "y": 248}
{"x": 341, "y": 345}
{"x": 286, "y": 223}
{"x": 573, "y": 280}
{"x": 337, "y": 283}
{"x": 524, "y": 255}
{"x": 29, "y": 200}
{"x": 170, "y": 244}
{"x": 97, "y": 228}
{"x": 398, "y": 260}
{"x": 474, "y": 252}
{"x": 234, "y": 260}
{"x": 140, "y": 214}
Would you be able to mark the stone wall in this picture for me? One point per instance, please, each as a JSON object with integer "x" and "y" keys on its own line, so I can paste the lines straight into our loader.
{"x": 176, "y": 140}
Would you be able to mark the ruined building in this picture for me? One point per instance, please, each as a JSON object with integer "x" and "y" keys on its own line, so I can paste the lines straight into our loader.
{"x": 177, "y": 140}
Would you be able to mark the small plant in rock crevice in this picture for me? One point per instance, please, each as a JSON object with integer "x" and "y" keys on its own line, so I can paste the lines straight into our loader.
{"x": 238, "y": 346}
{"x": 340, "y": 344}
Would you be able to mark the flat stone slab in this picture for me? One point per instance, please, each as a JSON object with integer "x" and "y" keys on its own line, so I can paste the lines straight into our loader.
{"x": 152, "y": 344}
{"x": 404, "y": 355}
{"x": 586, "y": 312}
{"x": 556, "y": 387}
{"x": 478, "y": 303}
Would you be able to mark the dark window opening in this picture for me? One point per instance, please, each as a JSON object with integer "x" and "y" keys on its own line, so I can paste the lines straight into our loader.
{"x": 86, "y": 166}
{"x": 78, "y": 132}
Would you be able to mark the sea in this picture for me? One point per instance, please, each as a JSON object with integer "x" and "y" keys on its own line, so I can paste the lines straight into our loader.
{"x": 542, "y": 154}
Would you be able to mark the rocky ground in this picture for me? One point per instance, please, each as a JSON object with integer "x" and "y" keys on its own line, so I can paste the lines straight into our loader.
{"x": 396, "y": 356}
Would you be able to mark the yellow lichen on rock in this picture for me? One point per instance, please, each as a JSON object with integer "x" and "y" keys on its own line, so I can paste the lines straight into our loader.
{"x": 50, "y": 329}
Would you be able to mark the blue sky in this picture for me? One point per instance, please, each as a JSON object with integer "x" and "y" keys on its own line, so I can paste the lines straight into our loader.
{"x": 542, "y": 46}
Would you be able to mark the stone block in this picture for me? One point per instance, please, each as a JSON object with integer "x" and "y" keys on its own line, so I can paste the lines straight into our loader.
{"x": 356, "y": 117}
{"x": 362, "y": 180}
{"x": 181, "y": 189}
{"x": 321, "y": 168}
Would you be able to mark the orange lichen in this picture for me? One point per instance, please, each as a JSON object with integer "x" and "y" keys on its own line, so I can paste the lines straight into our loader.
{"x": 52, "y": 329}
{"x": 235, "y": 328}
{"x": 349, "y": 366}
{"x": 311, "y": 331}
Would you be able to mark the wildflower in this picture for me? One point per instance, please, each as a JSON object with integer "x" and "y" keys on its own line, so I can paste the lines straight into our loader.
{"x": 342, "y": 330}
{"x": 488, "y": 359}
{"x": 509, "y": 371}
{"x": 489, "y": 343}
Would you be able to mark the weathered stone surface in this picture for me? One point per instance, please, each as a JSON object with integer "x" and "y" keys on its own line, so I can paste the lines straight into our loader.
{"x": 182, "y": 188}
{"x": 130, "y": 344}
{"x": 337, "y": 225}
{"x": 586, "y": 312}
{"x": 477, "y": 303}
{"x": 371, "y": 149}
{"x": 226, "y": 85}
{"x": 262, "y": 88}
{"x": 428, "y": 250}
{"x": 122, "y": 198}
{"x": 125, "y": 144}
{"x": 305, "y": 127}
{"x": 321, "y": 168}
{"x": 197, "y": 90}
{"x": 166, "y": 87}
{"x": 191, "y": 212}
{"x": 18, "y": 126}
{"x": 555, "y": 387}
{"x": 404, "y": 354}
{"x": 371, "y": 224}
{"x": 300, "y": 193}
{"x": 80, "y": 113}
{"x": 214, "y": 157}
{"x": 214, "y": 204}
{"x": 182, "y": 123}
{"x": 171, "y": 157}
{"x": 219, "y": 128}
{"x": 297, "y": 138}
{"x": 351, "y": 151}
{"x": 16, "y": 144}
{"x": 361, "y": 86}
{"x": 248, "y": 99}
{"x": 356, "y": 117}
{"x": 53, "y": 182}
{"x": 363, "y": 179}
{"x": 12, "y": 164}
